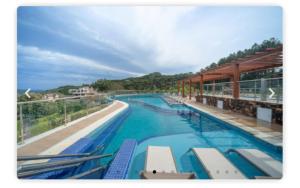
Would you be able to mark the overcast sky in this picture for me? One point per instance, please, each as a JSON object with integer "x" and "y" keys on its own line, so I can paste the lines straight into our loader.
{"x": 74, "y": 45}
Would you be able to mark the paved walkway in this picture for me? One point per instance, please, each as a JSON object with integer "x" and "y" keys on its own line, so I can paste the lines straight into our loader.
{"x": 269, "y": 132}
{"x": 52, "y": 139}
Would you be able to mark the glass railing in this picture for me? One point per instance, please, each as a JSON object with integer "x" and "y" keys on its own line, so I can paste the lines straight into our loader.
{"x": 264, "y": 89}
{"x": 37, "y": 117}
{"x": 223, "y": 89}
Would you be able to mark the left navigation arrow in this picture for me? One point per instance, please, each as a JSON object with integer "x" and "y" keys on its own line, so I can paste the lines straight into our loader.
{"x": 27, "y": 93}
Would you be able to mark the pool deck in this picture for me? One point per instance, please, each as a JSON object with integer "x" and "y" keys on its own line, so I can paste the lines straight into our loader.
{"x": 269, "y": 132}
{"x": 55, "y": 141}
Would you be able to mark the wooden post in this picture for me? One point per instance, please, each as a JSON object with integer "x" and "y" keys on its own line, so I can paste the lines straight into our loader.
{"x": 182, "y": 88}
{"x": 213, "y": 87}
{"x": 201, "y": 85}
{"x": 236, "y": 79}
{"x": 190, "y": 86}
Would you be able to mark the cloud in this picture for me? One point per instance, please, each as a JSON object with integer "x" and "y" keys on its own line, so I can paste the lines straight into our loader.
{"x": 159, "y": 28}
{"x": 123, "y": 41}
{"x": 153, "y": 31}
{"x": 57, "y": 58}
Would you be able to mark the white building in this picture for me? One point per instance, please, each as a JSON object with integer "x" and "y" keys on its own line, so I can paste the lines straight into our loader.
{"x": 83, "y": 91}
{"x": 50, "y": 96}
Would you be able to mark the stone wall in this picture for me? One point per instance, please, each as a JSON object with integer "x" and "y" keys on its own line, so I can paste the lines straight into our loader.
{"x": 245, "y": 107}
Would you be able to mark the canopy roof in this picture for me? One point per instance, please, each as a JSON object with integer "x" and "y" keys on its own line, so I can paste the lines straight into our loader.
{"x": 270, "y": 58}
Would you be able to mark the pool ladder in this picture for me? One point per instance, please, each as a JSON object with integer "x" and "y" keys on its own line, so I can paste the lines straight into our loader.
{"x": 28, "y": 170}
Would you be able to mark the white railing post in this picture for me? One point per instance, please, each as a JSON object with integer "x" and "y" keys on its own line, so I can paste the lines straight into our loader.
{"x": 277, "y": 92}
{"x": 65, "y": 112}
{"x": 21, "y": 124}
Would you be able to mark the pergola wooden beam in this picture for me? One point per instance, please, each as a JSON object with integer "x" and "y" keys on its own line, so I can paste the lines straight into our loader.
{"x": 270, "y": 58}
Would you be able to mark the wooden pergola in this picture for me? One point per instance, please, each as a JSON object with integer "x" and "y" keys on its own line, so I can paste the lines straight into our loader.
{"x": 270, "y": 58}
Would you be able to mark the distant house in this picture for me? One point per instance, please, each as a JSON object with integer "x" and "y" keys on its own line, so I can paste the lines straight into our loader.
{"x": 83, "y": 91}
{"x": 50, "y": 96}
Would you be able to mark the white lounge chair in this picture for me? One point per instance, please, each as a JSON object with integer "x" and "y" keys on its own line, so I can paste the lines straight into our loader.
{"x": 264, "y": 162}
{"x": 160, "y": 164}
{"x": 216, "y": 165}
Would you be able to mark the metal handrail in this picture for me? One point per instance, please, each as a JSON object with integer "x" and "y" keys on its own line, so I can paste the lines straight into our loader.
{"x": 37, "y": 172}
{"x": 58, "y": 99}
{"x": 277, "y": 78}
{"x": 38, "y": 157}
{"x": 39, "y": 166}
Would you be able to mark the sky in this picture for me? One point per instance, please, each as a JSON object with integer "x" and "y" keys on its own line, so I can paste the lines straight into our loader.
{"x": 59, "y": 46}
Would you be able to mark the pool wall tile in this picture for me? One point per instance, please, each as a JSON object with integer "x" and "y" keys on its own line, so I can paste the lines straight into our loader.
{"x": 119, "y": 166}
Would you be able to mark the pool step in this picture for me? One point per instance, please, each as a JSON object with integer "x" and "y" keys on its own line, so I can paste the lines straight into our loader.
{"x": 119, "y": 166}
{"x": 170, "y": 101}
{"x": 263, "y": 161}
{"x": 216, "y": 164}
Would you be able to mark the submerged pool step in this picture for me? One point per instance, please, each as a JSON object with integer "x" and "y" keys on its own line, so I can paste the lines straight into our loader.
{"x": 119, "y": 166}
{"x": 170, "y": 101}
{"x": 165, "y": 111}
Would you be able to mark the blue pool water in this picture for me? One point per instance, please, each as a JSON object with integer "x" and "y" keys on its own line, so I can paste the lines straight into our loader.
{"x": 152, "y": 121}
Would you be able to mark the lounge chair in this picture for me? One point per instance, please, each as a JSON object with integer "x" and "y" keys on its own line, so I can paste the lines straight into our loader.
{"x": 160, "y": 164}
{"x": 216, "y": 165}
{"x": 264, "y": 162}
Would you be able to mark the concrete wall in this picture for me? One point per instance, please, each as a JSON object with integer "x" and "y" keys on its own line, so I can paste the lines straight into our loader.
{"x": 245, "y": 107}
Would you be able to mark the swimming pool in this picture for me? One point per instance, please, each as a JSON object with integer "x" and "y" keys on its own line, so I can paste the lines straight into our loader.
{"x": 152, "y": 121}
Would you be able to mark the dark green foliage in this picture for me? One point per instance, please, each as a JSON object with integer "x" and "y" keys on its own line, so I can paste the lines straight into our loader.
{"x": 153, "y": 81}
{"x": 63, "y": 89}
{"x": 271, "y": 43}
